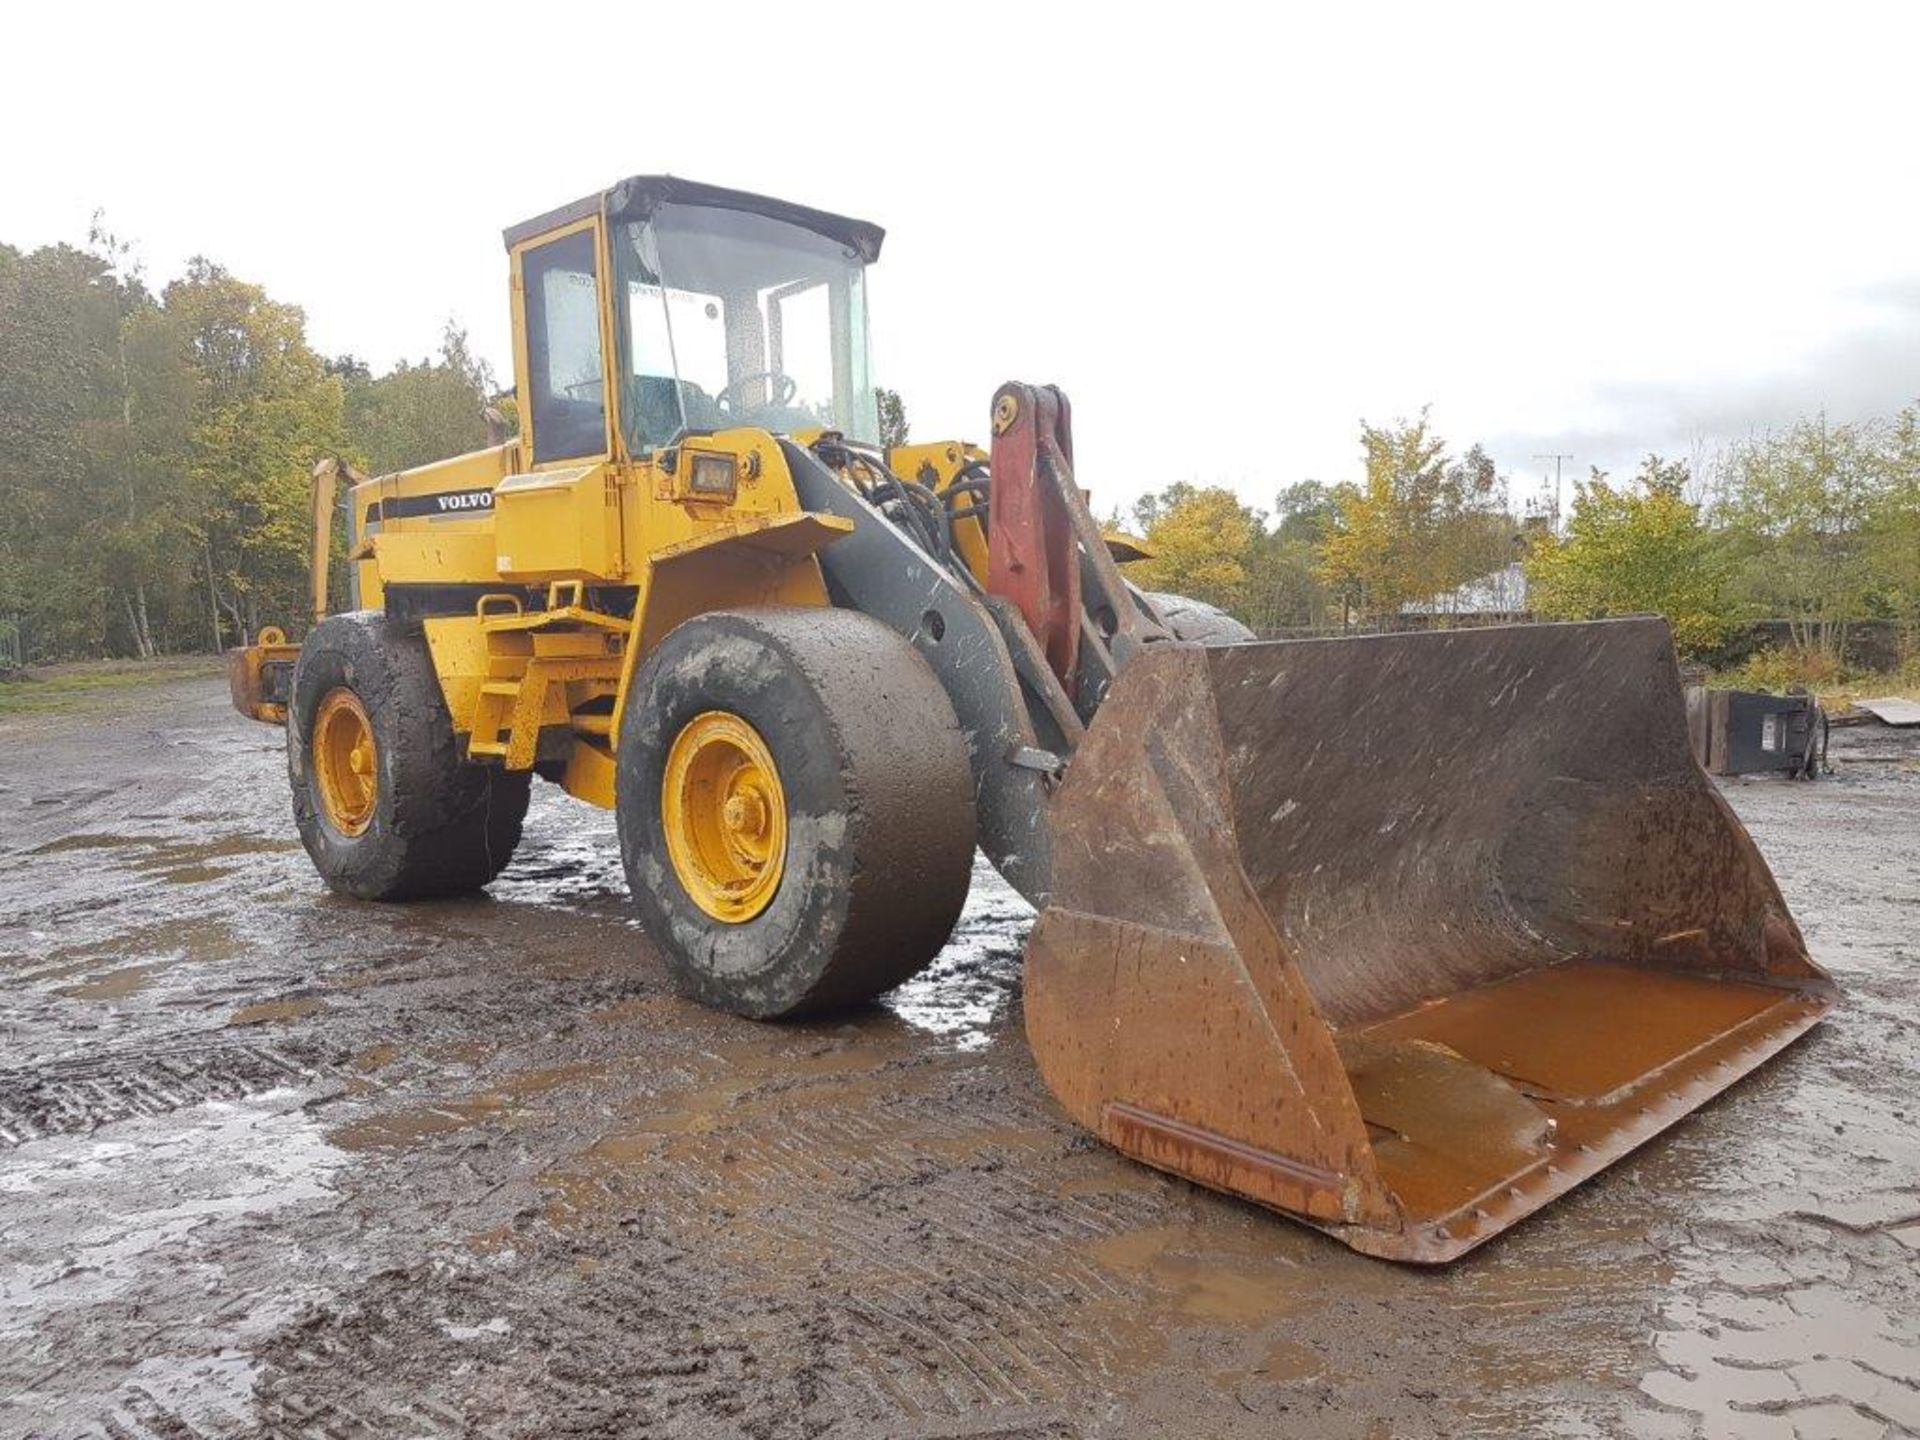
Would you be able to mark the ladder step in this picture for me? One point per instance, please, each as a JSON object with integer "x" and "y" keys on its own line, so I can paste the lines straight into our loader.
{"x": 506, "y": 689}
{"x": 593, "y": 724}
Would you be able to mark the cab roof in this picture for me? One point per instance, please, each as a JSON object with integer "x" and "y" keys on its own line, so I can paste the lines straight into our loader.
{"x": 639, "y": 196}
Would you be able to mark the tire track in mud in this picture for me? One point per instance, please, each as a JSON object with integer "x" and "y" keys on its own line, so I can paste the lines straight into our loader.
{"x": 888, "y": 1265}
{"x": 75, "y": 1097}
{"x": 955, "y": 1273}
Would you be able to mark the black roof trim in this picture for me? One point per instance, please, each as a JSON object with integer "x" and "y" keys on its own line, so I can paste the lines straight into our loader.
{"x": 640, "y": 196}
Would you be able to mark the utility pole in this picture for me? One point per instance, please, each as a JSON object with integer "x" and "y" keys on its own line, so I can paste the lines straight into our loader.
{"x": 1556, "y": 458}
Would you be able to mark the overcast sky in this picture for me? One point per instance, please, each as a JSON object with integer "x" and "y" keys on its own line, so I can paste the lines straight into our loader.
{"x": 1229, "y": 232}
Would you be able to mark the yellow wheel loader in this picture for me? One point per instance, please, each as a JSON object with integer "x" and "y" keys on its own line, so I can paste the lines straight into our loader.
{"x": 1402, "y": 935}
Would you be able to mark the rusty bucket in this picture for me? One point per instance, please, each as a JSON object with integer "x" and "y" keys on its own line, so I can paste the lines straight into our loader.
{"x": 1404, "y": 935}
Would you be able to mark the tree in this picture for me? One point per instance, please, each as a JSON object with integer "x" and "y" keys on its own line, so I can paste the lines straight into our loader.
{"x": 416, "y": 414}
{"x": 141, "y": 453}
{"x": 155, "y": 449}
{"x": 53, "y": 336}
{"x": 1893, "y": 530}
{"x": 1420, "y": 525}
{"x": 1799, "y": 506}
{"x": 263, "y": 408}
{"x": 893, "y": 417}
{"x": 90, "y": 445}
{"x": 1636, "y": 550}
{"x": 1307, "y": 511}
{"x": 1203, "y": 542}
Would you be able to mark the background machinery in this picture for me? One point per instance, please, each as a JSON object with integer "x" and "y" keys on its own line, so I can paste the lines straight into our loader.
{"x": 1403, "y": 935}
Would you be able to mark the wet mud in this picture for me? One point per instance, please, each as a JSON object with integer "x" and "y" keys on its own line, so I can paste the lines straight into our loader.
{"x": 273, "y": 1163}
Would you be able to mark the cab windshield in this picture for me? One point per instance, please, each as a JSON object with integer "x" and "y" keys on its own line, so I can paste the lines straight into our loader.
{"x": 730, "y": 318}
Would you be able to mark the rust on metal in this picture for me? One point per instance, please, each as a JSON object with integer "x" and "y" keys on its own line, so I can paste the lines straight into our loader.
{"x": 1405, "y": 935}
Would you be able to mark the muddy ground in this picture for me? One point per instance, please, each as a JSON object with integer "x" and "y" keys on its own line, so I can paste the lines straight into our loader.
{"x": 274, "y": 1163}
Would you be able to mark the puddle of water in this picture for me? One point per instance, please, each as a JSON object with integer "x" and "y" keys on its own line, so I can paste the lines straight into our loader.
{"x": 269, "y": 1012}
{"x": 374, "y": 1058}
{"x": 67, "y": 843}
{"x": 572, "y": 861}
{"x": 509, "y": 1101}
{"x": 191, "y": 874}
{"x": 148, "y": 1222}
{"x": 963, "y": 995}
{"x": 116, "y": 984}
{"x": 1795, "y": 1305}
{"x": 164, "y": 853}
{"x": 155, "y": 948}
{"x": 1216, "y": 1278}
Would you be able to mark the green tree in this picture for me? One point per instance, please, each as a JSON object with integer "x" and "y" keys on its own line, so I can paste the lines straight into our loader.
{"x": 1636, "y": 550}
{"x": 155, "y": 450}
{"x": 264, "y": 407}
{"x": 415, "y": 414}
{"x": 1285, "y": 587}
{"x": 1893, "y": 530}
{"x": 90, "y": 440}
{"x": 1800, "y": 506}
{"x": 893, "y": 417}
{"x": 140, "y": 452}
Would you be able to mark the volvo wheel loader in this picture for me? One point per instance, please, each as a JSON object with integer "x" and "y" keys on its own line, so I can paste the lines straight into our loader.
{"x": 1402, "y": 935}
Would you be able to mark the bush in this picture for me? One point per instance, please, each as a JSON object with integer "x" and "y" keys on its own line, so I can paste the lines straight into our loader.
{"x": 1785, "y": 666}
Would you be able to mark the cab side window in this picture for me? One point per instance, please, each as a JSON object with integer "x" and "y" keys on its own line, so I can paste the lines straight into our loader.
{"x": 568, "y": 381}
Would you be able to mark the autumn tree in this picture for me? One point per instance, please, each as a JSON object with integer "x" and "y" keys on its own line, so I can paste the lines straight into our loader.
{"x": 1203, "y": 541}
{"x": 1636, "y": 549}
{"x": 263, "y": 408}
{"x": 1419, "y": 525}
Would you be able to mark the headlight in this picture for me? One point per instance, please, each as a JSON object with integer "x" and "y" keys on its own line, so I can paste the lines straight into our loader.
{"x": 713, "y": 477}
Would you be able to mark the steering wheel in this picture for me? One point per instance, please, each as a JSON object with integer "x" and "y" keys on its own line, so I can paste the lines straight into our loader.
{"x": 785, "y": 387}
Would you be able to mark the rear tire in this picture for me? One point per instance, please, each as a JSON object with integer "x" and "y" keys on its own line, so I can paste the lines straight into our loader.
{"x": 869, "y": 870}
{"x": 1196, "y": 620}
{"x": 430, "y": 823}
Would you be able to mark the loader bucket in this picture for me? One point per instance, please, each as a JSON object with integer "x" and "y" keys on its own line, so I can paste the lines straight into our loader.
{"x": 1404, "y": 935}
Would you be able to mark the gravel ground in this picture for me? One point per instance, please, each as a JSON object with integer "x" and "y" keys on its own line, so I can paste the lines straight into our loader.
{"x": 276, "y": 1164}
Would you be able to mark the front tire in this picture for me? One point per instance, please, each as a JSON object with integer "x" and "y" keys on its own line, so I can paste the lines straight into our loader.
{"x": 387, "y": 806}
{"x": 821, "y": 804}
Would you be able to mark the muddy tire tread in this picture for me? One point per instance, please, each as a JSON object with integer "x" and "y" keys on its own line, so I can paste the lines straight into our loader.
{"x": 442, "y": 825}
{"x": 881, "y": 825}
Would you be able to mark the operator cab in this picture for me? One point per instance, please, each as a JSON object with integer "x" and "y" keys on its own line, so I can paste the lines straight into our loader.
{"x": 728, "y": 309}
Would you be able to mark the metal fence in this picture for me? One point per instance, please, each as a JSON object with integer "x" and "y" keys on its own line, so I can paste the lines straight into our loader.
{"x": 13, "y": 654}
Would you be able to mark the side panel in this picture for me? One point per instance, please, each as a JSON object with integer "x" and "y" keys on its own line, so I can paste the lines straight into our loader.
{"x": 559, "y": 525}
{"x": 450, "y": 498}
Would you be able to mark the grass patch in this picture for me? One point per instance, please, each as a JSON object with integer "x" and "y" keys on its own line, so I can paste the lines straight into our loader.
{"x": 55, "y": 689}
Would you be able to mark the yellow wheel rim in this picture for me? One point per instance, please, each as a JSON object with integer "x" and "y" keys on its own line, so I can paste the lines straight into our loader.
{"x": 346, "y": 763}
{"x": 725, "y": 816}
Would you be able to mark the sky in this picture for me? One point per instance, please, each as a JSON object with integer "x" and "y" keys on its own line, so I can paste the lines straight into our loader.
{"x": 1230, "y": 232}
